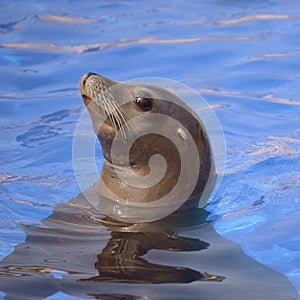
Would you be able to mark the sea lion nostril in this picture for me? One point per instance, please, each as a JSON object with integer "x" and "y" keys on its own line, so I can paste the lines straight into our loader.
{"x": 87, "y": 76}
{"x": 90, "y": 74}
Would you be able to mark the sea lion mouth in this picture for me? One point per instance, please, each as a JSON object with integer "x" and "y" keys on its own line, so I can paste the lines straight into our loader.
{"x": 87, "y": 100}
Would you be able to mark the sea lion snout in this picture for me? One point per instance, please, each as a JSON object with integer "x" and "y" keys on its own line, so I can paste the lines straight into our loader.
{"x": 86, "y": 76}
{"x": 92, "y": 85}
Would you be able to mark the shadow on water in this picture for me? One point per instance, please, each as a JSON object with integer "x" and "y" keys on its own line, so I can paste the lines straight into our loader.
{"x": 79, "y": 252}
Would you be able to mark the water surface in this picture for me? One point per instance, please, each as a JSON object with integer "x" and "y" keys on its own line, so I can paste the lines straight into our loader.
{"x": 242, "y": 56}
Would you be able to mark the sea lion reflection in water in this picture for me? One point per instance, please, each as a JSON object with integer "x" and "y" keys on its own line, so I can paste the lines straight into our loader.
{"x": 61, "y": 253}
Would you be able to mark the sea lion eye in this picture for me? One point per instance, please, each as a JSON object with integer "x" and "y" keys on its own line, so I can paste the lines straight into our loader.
{"x": 143, "y": 103}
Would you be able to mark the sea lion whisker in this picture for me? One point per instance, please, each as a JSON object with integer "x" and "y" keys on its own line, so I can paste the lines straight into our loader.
{"x": 107, "y": 99}
{"x": 109, "y": 113}
{"x": 121, "y": 121}
{"x": 99, "y": 99}
{"x": 120, "y": 114}
{"x": 106, "y": 103}
{"x": 116, "y": 119}
{"x": 113, "y": 102}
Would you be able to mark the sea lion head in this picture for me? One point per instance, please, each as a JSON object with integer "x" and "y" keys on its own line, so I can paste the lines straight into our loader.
{"x": 157, "y": 152}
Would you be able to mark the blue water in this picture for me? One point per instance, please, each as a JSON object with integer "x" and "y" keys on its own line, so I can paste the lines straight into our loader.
{"x": 242, "y": 56}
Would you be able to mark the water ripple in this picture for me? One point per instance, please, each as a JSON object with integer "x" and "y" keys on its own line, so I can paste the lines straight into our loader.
{"x": 65, "y": 19}
{"x": 126, "y": 42}
{"x": 247, "y": 18}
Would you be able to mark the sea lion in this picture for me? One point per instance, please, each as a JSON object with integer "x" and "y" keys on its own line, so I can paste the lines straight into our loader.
{"x": 157, "y": 152}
